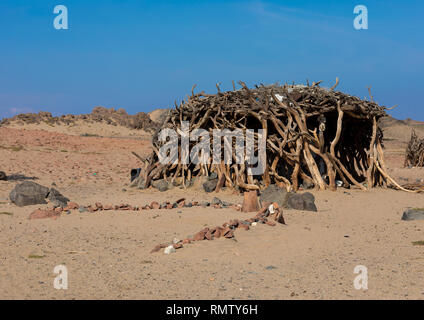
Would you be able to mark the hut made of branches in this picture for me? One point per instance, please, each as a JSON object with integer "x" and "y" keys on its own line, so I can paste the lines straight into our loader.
{"x": 315, "y": 137}
{"x": 414, "y": 154}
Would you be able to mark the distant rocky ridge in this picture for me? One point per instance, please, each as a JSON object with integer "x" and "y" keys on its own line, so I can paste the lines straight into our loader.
{"x": 139, "y": 121}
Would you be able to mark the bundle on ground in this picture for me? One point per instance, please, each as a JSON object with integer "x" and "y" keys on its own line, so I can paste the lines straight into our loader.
{"x": 414, "y": 154}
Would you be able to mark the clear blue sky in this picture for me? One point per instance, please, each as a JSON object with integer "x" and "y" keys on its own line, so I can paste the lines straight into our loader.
{"x": 143, "y": 55}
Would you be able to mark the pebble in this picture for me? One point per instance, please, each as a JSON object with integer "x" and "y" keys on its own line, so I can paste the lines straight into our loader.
{"x": 169, "y": 250}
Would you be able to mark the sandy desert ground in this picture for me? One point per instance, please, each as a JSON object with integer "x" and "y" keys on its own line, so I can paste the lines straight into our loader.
{"x": 107, "y": 253}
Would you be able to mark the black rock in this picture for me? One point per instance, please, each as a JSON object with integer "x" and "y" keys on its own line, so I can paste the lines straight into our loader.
{"x": 3, "y": 176}
{"x": 413, "y": 214}
{"x": 29, "y": 193}
{"x": 274, "y": 194}
{"x": 57, "y": 199}
{"x": 309, "y": 202}
{"x": 161, "y": 185}
{"x": 210, "y": 186}
{"x": 216, "y": 201}
{"x": 298, "y": 201}
{"x": 295, "y": 201}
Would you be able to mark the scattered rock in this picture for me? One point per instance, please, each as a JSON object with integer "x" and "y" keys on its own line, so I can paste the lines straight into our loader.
{"x": 72, "y": 206}
{"x": 274, "y": 194}
{"x": 29, "y": 193}
{"x": 199, "y": 236}
{"x": 297, "y": 201}
{"x": 177, "y": 245}
{"x": 216, "y": 201}
{"x": 161, "y": 185}
{"x": 309, "y": 202}
{"x": 43, "y": 214}
{"x": 154, "y": 205}
{"x": 413, "y": 214}
{"x": 57, "y": 199}
{"x": 169, "y": 250}
{"x": 210, "y": 185}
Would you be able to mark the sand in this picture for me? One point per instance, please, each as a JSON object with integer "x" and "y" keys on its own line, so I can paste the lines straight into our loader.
{"x": 107, "y": 253}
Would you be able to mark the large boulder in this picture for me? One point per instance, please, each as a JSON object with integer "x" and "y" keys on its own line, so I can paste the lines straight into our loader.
{"x": 274, "y": 194}
{"x": 29, "y": 193}
{"x": 288, "y": 200}
{"x": 413, "y": 214}
{"x": 297, "y": 201}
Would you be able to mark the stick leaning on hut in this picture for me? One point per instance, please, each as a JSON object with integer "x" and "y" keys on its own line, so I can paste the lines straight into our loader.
{"x": 314, "y": 136}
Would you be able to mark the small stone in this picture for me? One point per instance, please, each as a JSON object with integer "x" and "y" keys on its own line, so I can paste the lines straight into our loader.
{"x": 43, "y": 214}
{"x": 3, "y": 176}
{"x": 254, "y": 224}
{"x": 169, "y": 250}
{"x": 413, "y": 214}
{"x": 199, "y": 236}
{"x": 209, "y": 235}
{"x": 210, "y": 185}
{"x": 72, "y": 206}
{"x": 82, "y": 209}
{"x": 154, "y": 205}
{"x": 216, "y": 201}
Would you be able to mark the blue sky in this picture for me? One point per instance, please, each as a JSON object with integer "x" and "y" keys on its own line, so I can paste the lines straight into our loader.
{"x": 143, "y": 55}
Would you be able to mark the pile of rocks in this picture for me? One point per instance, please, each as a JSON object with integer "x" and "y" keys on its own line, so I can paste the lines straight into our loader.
{"x": 270, "y": 214}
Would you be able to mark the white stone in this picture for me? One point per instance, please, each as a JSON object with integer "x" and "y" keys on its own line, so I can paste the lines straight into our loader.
{"x": 169, "y": 250}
